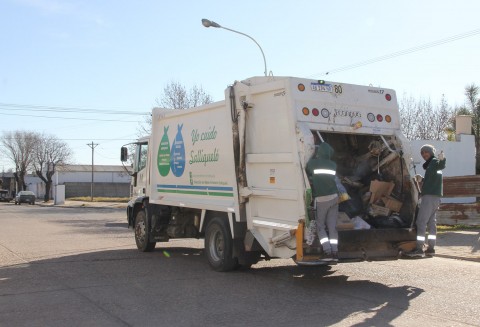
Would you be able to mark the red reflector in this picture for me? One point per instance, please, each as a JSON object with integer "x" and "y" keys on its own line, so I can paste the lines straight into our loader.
{"x": 379, "y": 118}
{"x": 315, "y": 112}
{"x": 388, "y": 97}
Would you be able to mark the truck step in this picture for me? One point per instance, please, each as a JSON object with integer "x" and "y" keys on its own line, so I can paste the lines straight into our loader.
{"x": 315, "y": 260}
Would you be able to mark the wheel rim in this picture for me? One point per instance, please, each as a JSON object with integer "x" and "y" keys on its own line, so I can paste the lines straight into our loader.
{"x": 140, "y": 231}
{"x": 216, "y": 245}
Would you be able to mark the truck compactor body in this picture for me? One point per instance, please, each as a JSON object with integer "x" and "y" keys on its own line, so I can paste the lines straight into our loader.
{"x": 233, "y": 172}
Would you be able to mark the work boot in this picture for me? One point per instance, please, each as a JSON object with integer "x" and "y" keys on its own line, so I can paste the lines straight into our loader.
{"x": 335, "y": 256}
{"x": 417, "y": 253}
{"x": 430, "y": 252}
{"x": 327, "y": 256}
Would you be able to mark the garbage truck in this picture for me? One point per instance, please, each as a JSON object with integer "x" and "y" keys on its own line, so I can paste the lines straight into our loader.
{"x": 233, "y": 173}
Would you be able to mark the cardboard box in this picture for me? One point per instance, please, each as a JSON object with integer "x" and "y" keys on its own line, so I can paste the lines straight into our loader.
{"x": 380, "y": 189}
{"x": 379, "y": 210}
{"x": 392, "y": 204}
{"x": 344, "y": 222}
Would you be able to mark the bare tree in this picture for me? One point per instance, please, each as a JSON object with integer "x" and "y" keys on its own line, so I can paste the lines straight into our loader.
{"x": 144, "y": 128}
{"x": 420, "y": 120}
{"x": 49, "y": 153}
{"x": 176, "y": 96}
{"x": 18, "y": 147}
{"x": 441, "y": 121}
{"x": 408, "y": 116}
{"x": 197, "y": 97}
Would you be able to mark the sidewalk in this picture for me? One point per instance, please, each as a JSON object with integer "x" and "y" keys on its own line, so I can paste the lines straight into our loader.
{"x": 85, "y": 204}
{"x": 461, "y": 245}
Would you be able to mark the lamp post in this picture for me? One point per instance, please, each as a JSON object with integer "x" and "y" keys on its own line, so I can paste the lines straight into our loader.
{"x": 210, "y": 23}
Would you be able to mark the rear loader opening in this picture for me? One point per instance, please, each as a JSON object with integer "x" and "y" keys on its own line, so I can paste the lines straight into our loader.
{"x": 375, "y": 183}
{"x": 376, "y": 205}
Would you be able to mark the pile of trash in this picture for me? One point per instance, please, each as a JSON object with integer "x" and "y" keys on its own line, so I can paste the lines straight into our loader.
{"x": 376, "y": 208}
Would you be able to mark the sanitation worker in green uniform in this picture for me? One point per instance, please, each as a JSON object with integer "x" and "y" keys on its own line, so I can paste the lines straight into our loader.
{"x": 432, "y": 191}
{"x": 321, "y": 169}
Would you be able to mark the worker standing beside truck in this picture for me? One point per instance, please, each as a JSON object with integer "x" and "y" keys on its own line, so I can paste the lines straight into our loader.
{"x": 322, "y": 170}
{"x": 432, "y": 191}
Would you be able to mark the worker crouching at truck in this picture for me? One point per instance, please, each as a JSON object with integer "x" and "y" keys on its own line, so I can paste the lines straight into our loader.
{"x": 432, "y": 191}
{"x": 321, "y": 170}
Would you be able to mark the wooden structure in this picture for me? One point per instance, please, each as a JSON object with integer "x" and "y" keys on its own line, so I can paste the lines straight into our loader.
{"x": 460, "y": 213}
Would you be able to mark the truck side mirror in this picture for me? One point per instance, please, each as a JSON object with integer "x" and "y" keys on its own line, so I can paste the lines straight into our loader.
{"x": 123, "y": 154}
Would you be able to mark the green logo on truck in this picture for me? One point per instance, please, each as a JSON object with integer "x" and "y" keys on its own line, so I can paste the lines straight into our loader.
{"x": 163, "y": 160}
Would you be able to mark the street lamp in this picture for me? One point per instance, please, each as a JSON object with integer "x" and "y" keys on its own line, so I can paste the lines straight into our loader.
{"x": 210, "y": 23}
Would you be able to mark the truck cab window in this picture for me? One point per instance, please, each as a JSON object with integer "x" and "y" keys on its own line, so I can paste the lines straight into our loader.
{"x": 142, "y": 156}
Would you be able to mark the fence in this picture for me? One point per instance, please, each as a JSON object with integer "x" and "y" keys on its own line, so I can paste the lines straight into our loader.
{"x": 460, "y": 213}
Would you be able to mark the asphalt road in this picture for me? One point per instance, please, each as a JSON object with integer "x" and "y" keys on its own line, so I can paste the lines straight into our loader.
{"x": 80, "y": 267}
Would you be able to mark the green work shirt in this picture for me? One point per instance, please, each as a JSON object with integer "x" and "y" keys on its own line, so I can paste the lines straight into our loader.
{"x": 433, "y": 180}
{"x": 321, "y": 169}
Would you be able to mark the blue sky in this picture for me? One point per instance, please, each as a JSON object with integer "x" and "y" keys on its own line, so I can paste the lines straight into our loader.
{"x": 118, "y": 55}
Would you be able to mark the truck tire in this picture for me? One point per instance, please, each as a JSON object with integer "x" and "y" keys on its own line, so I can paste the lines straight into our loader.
{"x": 219, "y": 245}
{"x": 141, "y": 233}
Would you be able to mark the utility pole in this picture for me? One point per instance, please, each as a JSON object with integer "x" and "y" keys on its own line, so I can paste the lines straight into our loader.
{"x": 92, "y": 146}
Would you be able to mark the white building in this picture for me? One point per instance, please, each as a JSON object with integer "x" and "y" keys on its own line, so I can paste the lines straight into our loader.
{"x": 101, "y": 174}
{"x": 109, "y": 180}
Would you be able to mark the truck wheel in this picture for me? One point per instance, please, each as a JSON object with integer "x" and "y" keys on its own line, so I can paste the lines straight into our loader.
{"x": 141, "y": 233}
{"x": 219, "y": 245}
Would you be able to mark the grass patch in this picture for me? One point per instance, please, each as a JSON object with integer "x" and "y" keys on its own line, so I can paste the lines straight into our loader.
{"x": 99, "y": 199}
{"x": 453, "y": 228}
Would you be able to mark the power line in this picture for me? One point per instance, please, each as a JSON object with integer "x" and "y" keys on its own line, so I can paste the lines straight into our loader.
{"x": 402, "y": 52}
{"x": 16, "y": 138}
{"x": 72, "y": 118}
{"x": 16, "y": 106}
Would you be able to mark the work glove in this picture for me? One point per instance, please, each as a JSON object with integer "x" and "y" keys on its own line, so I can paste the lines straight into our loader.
{"x": 418, "y": 178}
{"x": 441, "y": 156}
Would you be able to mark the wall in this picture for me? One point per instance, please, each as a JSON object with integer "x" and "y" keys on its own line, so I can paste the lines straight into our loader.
{"x": 460, "y": 159}
{"x": 101, "y": 177}
{"x": 75, "y": 189}
{"x": 36, "y": 185}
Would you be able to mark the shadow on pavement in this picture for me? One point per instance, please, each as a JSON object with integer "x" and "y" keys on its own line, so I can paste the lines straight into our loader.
{"x": 175, "y": 286}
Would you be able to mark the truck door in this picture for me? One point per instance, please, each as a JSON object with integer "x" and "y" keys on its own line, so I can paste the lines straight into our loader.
{"x": 140, "y": 167}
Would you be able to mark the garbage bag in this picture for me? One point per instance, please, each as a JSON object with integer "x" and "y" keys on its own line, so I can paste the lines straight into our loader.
{"x": 359, "y": 223}
{"x": 392, "y": 221}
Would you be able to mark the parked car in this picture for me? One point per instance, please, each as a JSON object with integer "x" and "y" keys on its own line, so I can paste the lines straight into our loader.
{"x": 25, "y": 197}
{"x": 5, "y": 196}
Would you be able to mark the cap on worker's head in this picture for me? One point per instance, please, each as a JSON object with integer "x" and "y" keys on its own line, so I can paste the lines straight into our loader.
{"x": 428, "y": 148}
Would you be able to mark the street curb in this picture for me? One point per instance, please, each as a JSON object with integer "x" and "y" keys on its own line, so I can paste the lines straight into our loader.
{"x": 76, "y": 207}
